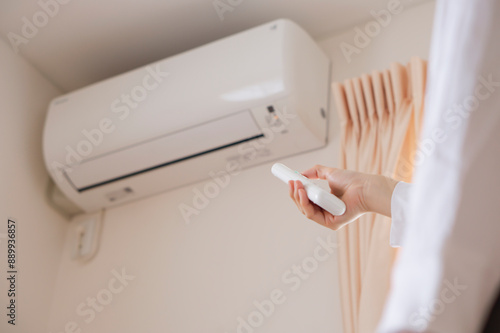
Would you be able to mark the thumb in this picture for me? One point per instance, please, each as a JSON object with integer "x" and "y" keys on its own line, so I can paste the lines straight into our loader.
{"x": 318, "y": 172}
{"x": 336, "y": 178}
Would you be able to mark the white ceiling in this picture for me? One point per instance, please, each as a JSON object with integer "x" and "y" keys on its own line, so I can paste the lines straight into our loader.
{"x": 90, "y": 40}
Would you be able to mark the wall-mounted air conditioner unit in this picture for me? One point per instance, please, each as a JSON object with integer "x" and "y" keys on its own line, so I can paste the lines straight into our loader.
{"x": 253, "y": 97}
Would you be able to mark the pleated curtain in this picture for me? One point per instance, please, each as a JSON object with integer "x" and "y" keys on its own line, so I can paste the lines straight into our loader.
{"x": 380, "y": 118}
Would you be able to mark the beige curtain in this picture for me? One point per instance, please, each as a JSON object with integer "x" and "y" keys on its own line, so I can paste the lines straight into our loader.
{"x": 380, "y": 118}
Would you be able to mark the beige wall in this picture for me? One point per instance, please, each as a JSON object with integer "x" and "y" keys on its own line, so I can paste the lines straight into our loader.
{"x": 24, "y": 95}
{"x": 407, "y": 34}
{"x": 203, "y": 276}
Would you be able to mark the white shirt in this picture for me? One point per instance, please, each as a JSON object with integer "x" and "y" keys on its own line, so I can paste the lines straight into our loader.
{"x": 400, "y": 202}
{"x": 448, "y": 272}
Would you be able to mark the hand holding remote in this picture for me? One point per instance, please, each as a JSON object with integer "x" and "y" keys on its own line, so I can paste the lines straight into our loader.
{"x": 316, "y": 194}
{"x": 361, "y": 193}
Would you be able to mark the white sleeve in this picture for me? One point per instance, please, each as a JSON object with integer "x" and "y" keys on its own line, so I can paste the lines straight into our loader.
{"x": 399, "y": 212}
{"x": 448, "y": 272}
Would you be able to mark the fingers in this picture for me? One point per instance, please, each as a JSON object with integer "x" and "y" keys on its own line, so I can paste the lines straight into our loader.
{"x": 318, "y": 172}
{"x": 313, "y": 212}
{"x": 290, "y": 188}
{"x": 293, "y": 191}
{"x": 299, "y": 195}
{"x": 307, "y": 207}
{"x": 330, "y": 221}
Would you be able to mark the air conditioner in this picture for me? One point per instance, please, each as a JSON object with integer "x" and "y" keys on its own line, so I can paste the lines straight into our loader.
{"x": 253, "y": 97}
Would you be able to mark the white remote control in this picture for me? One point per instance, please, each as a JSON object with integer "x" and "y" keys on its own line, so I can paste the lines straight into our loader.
{"x": 316, "y": 194}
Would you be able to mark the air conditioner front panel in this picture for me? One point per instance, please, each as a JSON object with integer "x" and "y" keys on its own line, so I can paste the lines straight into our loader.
{"x": 164, "y": 151}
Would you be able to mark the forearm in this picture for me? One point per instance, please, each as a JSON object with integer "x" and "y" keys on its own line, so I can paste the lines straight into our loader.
{"x": 377, "y": 192}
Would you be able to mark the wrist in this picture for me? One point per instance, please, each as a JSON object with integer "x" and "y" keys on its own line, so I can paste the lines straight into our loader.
{"x": 378, "y": 194}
